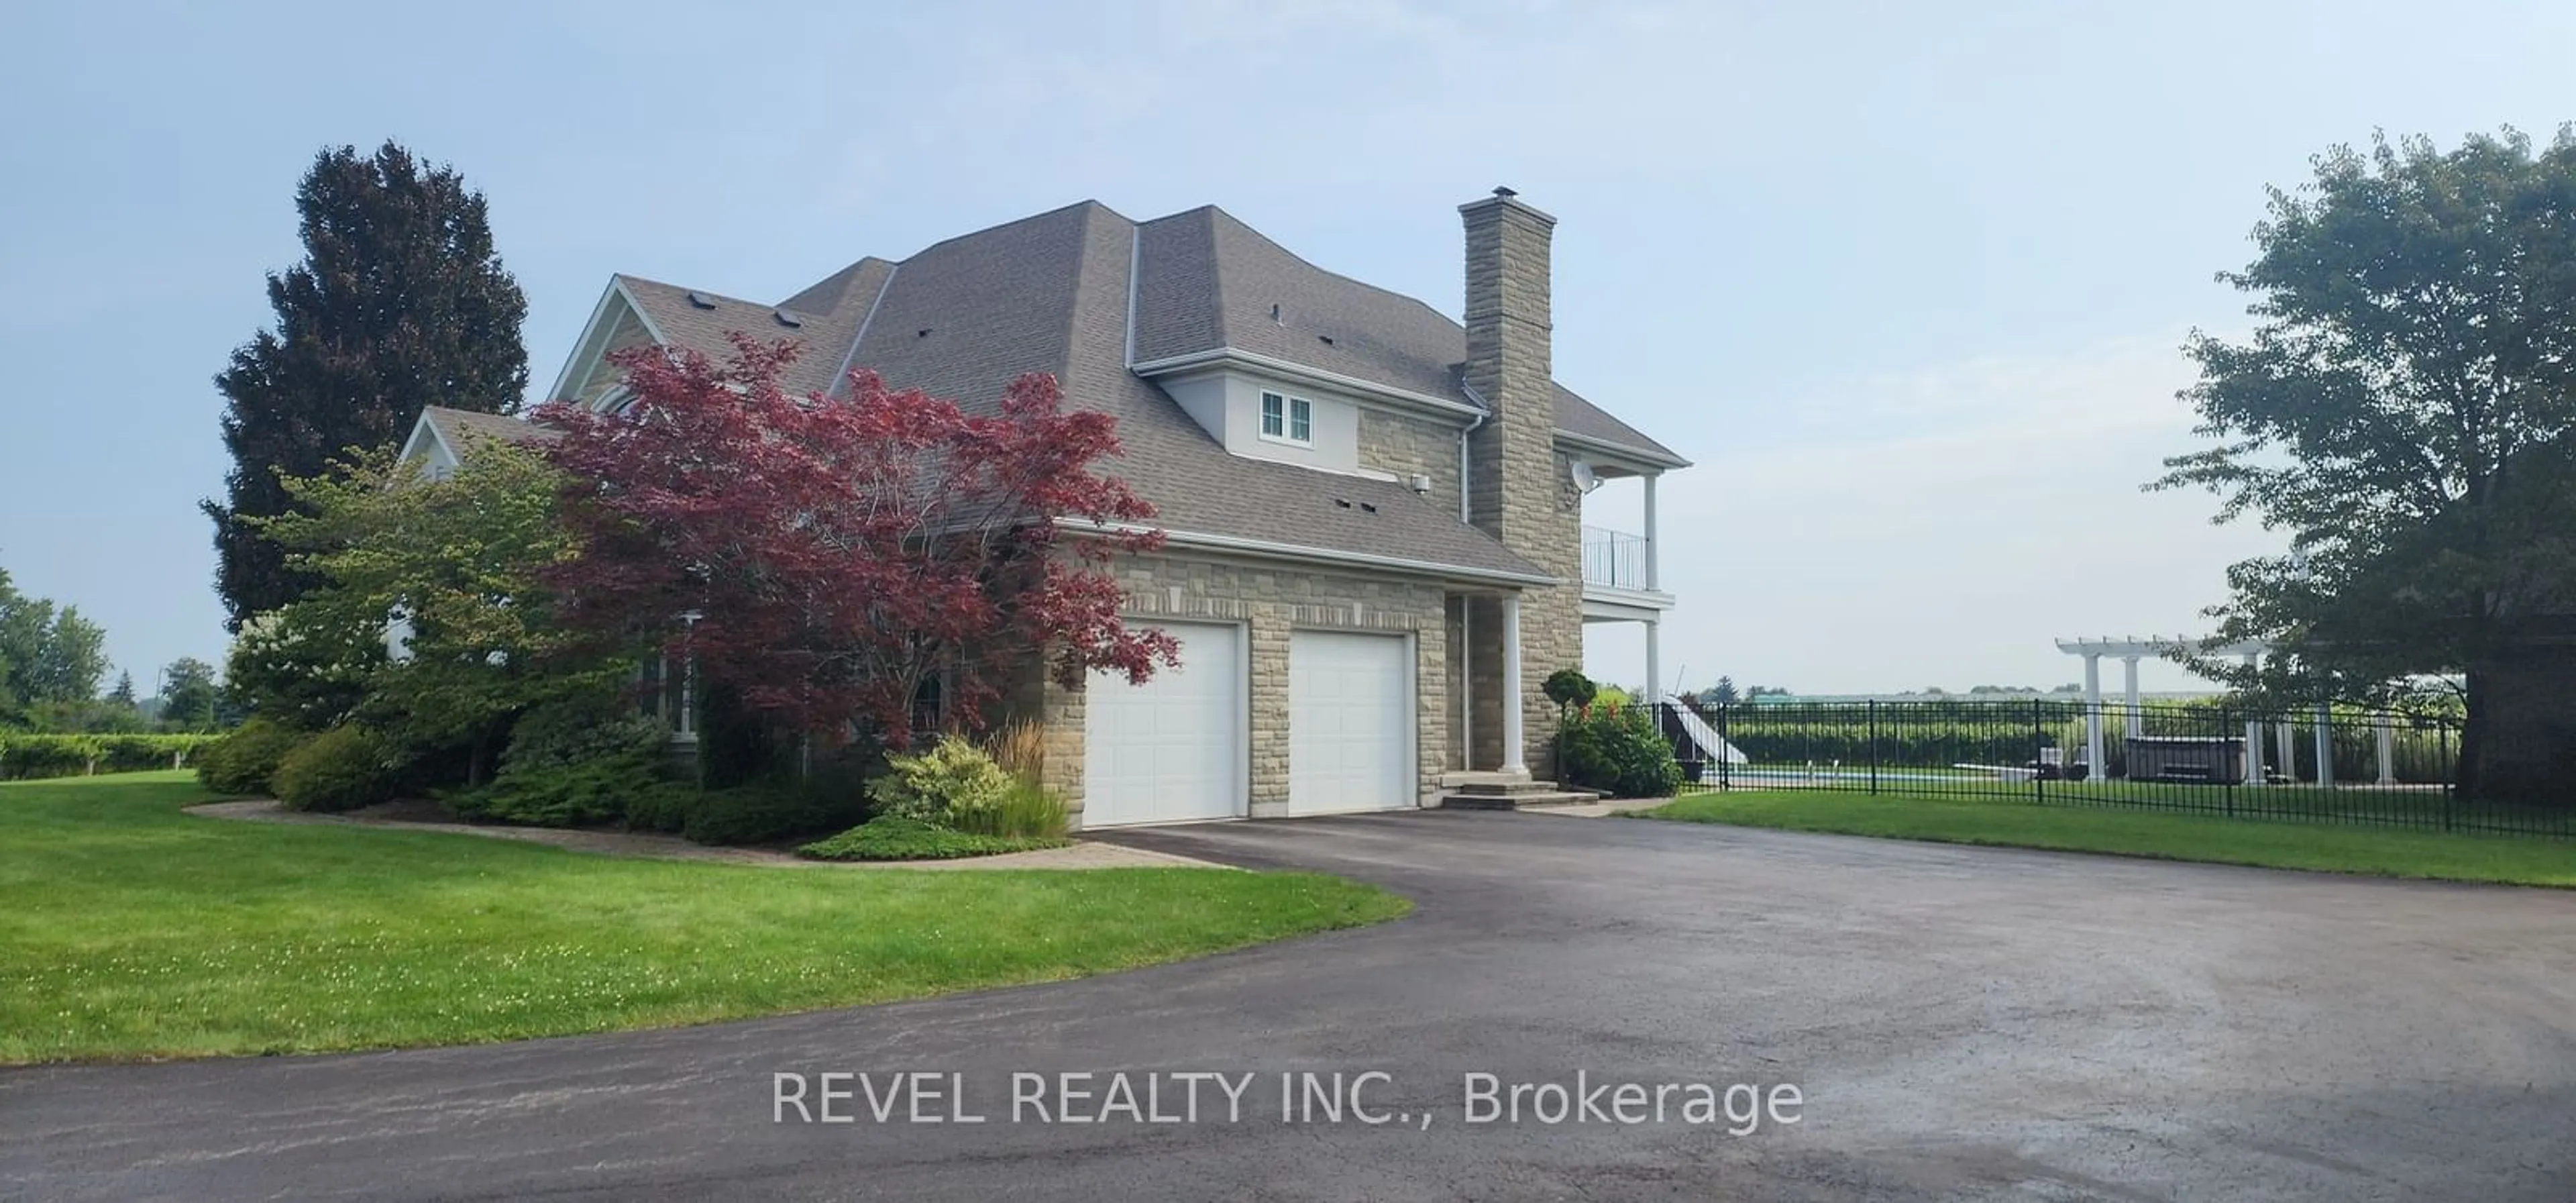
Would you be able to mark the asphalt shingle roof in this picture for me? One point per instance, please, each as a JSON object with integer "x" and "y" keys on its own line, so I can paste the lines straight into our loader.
{"x": 1051, "y": 293}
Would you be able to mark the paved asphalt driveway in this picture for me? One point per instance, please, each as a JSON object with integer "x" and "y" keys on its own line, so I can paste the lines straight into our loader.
{"x": 1962, "y": 1023}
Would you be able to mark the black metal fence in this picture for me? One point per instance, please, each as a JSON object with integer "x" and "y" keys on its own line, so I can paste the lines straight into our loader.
{"x": 2380, "y": 768}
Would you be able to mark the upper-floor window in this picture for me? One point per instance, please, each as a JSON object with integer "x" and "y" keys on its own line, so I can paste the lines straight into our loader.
{"x": 1289, "y": 418}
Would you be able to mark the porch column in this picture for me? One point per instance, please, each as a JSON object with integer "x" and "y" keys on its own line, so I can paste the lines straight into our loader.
{"x": 1654, "y": 664}
{"x": 2387, "y": 750}
{"x": 1513, "y": 756}
{"x": 1654, "y": 552}
{"x": 2285, "y": 748}
{"x": 2253, "y": 741}
{"x": 2095, "y": 768}
{"x": 2325, "y": 744}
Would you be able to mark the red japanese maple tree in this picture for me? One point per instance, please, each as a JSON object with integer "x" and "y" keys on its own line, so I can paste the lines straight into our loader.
{"x": 825, "y": 556}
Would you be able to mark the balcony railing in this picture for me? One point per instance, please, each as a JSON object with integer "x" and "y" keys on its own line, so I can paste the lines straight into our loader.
{"x": 1613, "y": 558}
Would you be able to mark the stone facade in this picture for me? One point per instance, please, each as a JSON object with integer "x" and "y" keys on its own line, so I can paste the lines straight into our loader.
{"x": 1269, "y": 600}
{"x": 1404, "y": 445}
{"x": 1519, "y": 486}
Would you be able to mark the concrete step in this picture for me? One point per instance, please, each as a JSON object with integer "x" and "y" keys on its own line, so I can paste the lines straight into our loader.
{"x": 1550, "y": 796}
{"x": 1505, "y": 789}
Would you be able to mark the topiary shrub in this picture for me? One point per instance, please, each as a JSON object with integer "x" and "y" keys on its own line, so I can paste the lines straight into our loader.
{"x": 243, "y": 762}
{"x": 1617, "y": 750}
{"x": 341, "y": 769}
{"x": 888, "y": 837}
{"x": 954, "y": 784}
{"x": 1568, "y": 687}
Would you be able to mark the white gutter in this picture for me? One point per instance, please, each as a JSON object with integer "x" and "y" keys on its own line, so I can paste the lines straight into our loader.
{"x": 1292, "y": 551}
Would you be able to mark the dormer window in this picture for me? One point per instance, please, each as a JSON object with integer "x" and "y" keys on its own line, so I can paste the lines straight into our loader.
{"x": 1287, "y": 419}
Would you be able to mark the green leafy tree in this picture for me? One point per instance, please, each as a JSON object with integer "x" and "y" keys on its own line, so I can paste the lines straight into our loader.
{"x": 400, "y": 302}
{"x": 189, "y": 695}
{"x": 457, "y": 563}
{"x": 50, "y": 658}
{"x": 2404, "y": 410}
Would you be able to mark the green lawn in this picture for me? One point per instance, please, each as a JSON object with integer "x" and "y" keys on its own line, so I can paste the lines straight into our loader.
{"x": 131, "y": 930}
{"x": 2518, "y": 860}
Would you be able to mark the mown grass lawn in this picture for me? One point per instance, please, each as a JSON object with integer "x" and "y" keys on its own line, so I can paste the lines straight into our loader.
{"x": 2516, "y": 860}
{"x": 129, "y": 929}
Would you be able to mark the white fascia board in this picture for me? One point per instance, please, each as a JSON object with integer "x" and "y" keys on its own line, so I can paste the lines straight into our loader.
{"x": 422, "y": 425}
{"x": 1231, "y": 357}
{"x": 1631, "y": 458}
{"x": 603, "y": 320}
{"x": 1290, "y": 551}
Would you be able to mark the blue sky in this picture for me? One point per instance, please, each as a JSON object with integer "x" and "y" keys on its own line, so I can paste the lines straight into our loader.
{"x": 1906, "y": 281}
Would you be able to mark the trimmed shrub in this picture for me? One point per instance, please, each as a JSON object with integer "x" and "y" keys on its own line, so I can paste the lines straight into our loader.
{"x": 663, "y": 807}
{"x": 580, "y": 732}
{"x": 570, "y": 765}
{"x": 954, "y": 784}
{"x": 764, "y": 814}
{"x": 244, "y": 761}
{"x": 887, "y": 837}
{"x": 569, "y": 795}
{"x": 341, "y": 769}
{"x": 1616, "y": 749}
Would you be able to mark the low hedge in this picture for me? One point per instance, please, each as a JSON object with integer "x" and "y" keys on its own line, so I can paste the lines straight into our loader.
{"x": 25, "y": 755}
{"x": 889, "y": 837}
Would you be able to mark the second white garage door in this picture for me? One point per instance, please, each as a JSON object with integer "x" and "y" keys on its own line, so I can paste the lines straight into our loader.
{"x": 1171, "y": 749}
{"x": 1350, "y": 722}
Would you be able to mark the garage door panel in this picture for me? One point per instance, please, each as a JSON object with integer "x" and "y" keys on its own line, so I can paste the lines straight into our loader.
{"x": 1170, "y": 749}
{"x": 1350, "y": 722}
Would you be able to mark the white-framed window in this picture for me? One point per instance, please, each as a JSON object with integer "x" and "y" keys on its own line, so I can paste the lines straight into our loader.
{"x": 1287, "y": 419}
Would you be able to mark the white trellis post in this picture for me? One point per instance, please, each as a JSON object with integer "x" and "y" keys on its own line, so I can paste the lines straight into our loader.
{"x": 2094, "y": 769}
{"x": 2253, "y": 740}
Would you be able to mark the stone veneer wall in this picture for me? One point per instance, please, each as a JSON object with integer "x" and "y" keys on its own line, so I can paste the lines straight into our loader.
{"x": 1519, "y": 485}
{"x": 1271, "y": 600}
{"x": 1406, "y": 445}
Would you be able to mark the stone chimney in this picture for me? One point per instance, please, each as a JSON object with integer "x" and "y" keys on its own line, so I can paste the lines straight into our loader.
{"x": 1519, "y": 488}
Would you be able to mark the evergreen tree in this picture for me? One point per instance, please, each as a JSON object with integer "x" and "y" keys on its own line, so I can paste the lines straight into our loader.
{"x": 400, "y": 302}
{"x": 122, "y": 696}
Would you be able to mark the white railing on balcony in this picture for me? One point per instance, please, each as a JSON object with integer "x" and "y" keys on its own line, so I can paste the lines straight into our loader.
{"x": 1613, "y": 558}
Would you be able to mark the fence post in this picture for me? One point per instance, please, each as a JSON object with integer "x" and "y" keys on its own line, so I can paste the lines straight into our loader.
{"x": 2450, "y": 776}
{"x": 2227, "y": 793}
{"x": 1725, "y": 750}
{"x": 1873, "y": 746}
{"x": 2038, "y": 744}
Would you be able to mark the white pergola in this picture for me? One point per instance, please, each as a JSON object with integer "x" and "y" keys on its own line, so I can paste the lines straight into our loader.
{"x": 2130, "y": 649}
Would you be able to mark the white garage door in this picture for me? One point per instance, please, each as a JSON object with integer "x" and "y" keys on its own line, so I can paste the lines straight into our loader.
{"x": 1170, "y": 749}
{"x": 1350, "y": 723}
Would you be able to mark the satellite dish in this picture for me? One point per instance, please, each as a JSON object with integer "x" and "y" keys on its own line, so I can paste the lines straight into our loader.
{"x": 1585, "y": 478}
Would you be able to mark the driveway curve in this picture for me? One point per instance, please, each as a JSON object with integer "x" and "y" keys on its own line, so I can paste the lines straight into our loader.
{"x": 1956, "y": 1022}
